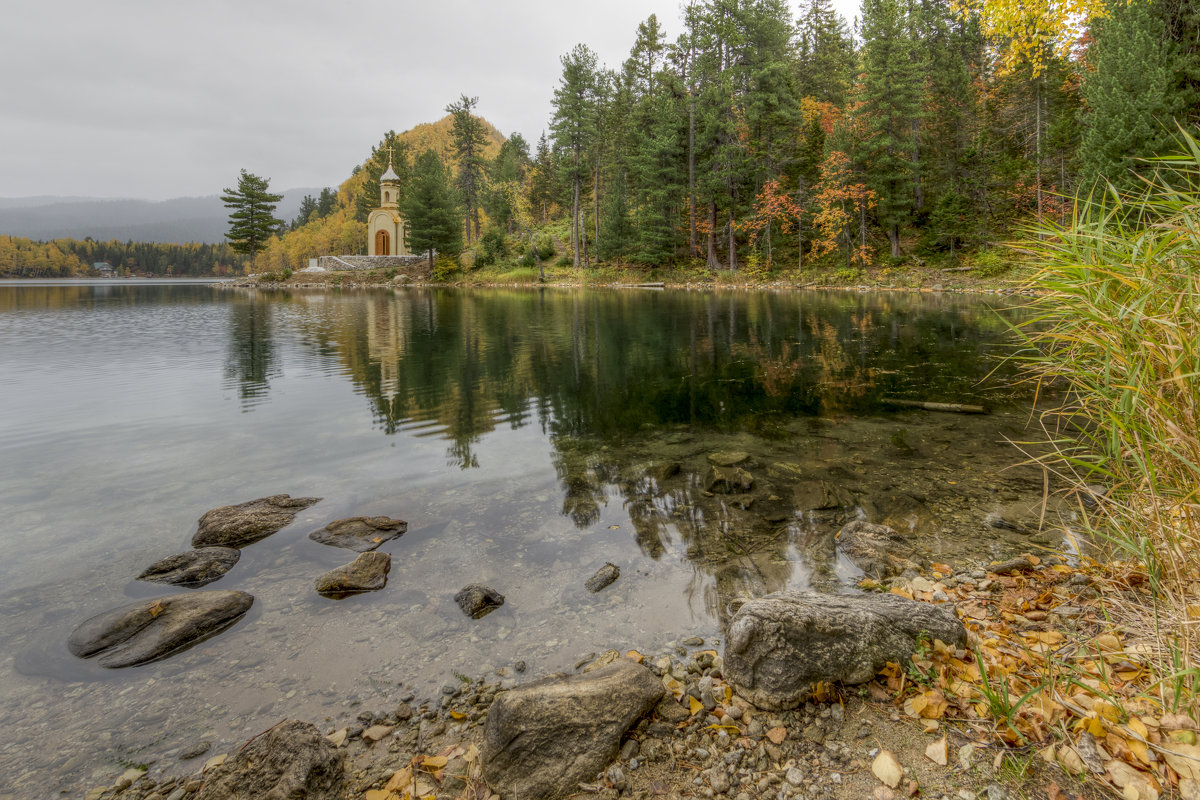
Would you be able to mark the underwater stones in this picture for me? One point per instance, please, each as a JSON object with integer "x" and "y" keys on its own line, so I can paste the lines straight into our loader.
{"x": 543, "y": 738}
{"x": 779, "y": 646}
{"x": 603, "y": 577}
{"x": 728, "y": 458}
{"x": 194, "y": 568}
{"x": 246, "y": 523}
{"x": 662, "y": 471}
{"x": 360, "y": 534}
{"x": 477, "y": 600}
{"x": 291, "y": 760}
{"x": 820, "y": 495}
{"x": 728, "y": 480}
{"x": 148, "y": 630}
{"x": 875, "y": 549}
{"x": 366, "y": 573}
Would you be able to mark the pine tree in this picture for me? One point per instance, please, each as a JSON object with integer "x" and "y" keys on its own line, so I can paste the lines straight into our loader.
{"x": 252, "y": 217}
{"x": 469, "y": 138}
{"x": 431, "y": 211}
{"x": 1132, "y": 98}
{"x": 574, "y": 128}
{"x": 824, "y": 54}
{"x": 890, "y": 106}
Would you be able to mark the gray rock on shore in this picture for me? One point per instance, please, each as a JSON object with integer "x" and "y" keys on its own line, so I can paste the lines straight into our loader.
{"x": 477, "y": 600}
{"x": 779, "y": 646}
{"x": 366, "y": 573}
{"x": 197, "y": 567}
{"x": 291, "y": 760}
{"x": 149, "y": 630}
{"x": 542, "y": 739}
{"x": 246, "y": 523}
{"x": 360, "y": 534}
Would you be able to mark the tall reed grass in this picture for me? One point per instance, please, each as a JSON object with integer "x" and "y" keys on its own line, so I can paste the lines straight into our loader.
{"x": 1119, "y": 329}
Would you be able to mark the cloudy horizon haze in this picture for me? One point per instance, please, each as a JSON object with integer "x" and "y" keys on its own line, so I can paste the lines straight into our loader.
{"x": 138, "y": 99}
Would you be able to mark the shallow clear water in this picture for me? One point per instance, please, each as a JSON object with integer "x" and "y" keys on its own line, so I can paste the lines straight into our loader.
{"x": 522, "y": 435}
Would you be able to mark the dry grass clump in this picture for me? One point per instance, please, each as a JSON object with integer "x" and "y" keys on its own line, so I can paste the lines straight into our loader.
{"x": 1120, "y": 330}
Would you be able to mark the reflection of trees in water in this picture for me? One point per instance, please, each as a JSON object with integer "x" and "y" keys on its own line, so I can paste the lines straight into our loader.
{"x": 251, "y": 362}
{"x": 606, "y": 373}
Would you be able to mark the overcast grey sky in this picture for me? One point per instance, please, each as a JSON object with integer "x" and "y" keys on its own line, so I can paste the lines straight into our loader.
{"x": 162, "y": 99}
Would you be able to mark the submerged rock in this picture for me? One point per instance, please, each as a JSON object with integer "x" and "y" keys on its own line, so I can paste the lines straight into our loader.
{"x": 820, "y": 495}
{"x": 291, "y": 760}
{"x": 366, "y": 573}
{"x": 728, "y": 480}
{"x": 193, "y": 568}
{"x": 477, "y": 600}
{"x": 603, "y": 577}
{"x": 543, "y": 738}
{"x": 246, "y": 523}
{"x": 879, "y": 551}
{"x": 779, "y": 646}
{"x": 148, "y": 630}
{"x": 360, "y": 534}
{"x": 728, "y": 458}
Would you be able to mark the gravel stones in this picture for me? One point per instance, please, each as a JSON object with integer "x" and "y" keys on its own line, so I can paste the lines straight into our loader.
{"x": 148, "y": 630}
{"x": 246, "y": 523}
{"x": 360, "y": 534}
{"x": 477, "y": 600}
{"x": 194, "y": 568}
{"x": 542, "y": 739}
{"x": 366, "y": 573}
{"x": 290, "y": 760}
{"x": 780, "y": 645}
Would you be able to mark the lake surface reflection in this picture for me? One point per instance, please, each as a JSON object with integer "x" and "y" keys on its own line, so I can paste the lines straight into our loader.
{"x": 527, "y": 436}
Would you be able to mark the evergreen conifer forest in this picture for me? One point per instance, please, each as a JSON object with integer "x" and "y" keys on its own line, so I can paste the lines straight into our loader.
{"x": 748, "y": 137}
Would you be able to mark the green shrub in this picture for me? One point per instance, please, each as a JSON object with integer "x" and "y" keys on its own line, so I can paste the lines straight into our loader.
{"x": 989, "y": 264}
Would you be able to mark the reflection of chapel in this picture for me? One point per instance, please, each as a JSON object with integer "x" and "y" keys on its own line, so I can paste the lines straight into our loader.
{"x": 387, "y": 230}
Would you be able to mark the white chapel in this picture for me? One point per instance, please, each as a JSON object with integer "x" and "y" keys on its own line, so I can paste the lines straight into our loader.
{"x": 387, "y": 230}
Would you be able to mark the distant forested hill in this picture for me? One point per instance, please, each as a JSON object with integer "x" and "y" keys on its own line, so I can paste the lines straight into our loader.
{"x": 183, "y": 219}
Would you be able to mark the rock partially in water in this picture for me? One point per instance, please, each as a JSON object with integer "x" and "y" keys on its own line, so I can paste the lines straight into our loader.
{"x": 291, "y": 760}
{"x": 366, "y": 573}
{"x": 728, "y": 480}
{"x": 477, "y": 600}
{"x": 246, "y": 523}
{"x": 148, "y": 630}
{"x": 603, "y": 577}
{"x": 194, "y": 568}
{"x": 543, "y": 738}
{"x": 879, "y": 551}
{"x": 360, "y": 534}
{"x": 778, "y": 647}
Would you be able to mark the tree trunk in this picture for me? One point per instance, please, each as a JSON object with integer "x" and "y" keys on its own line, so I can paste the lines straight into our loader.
{"x": 713, "y": 261}
{"x": 894, "y": 239}
{"x": 575, "y": 231}
{"x": 596, "y": 203}
{"x": 692, "y": 174}
{"x": 733, "y": 265}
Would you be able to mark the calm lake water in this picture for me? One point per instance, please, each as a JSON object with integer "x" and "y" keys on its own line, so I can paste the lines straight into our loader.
{"x": 527, "y": 436}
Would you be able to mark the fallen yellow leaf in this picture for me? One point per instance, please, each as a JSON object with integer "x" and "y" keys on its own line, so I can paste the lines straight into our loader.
{"x": 694, "y": 705}
{"x": 777, "y": 735}
{"x": 433, "y": 762}
{"x": 400, "y": 781}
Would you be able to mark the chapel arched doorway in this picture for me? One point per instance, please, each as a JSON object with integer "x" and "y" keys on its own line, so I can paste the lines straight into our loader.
{"x": 383, "y": 243}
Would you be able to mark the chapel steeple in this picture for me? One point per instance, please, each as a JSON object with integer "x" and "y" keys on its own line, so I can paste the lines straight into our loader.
{"x": 389, "y": 186}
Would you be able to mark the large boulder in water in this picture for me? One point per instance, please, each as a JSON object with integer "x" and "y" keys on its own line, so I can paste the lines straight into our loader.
{"x": 779, "y": 646}
{"x": 246, "y": 523}
{"x": 366, "y": 573}
{"x": 292, "y": 760}
{"x": 360, "y": 534}
{"x": 194, "y": 568}
{"x": 543, "y": 738}
{"x": 152, "y": 629}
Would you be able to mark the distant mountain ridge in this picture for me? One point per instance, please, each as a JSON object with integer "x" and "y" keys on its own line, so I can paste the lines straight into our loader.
{"x": 179, "y": 220}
